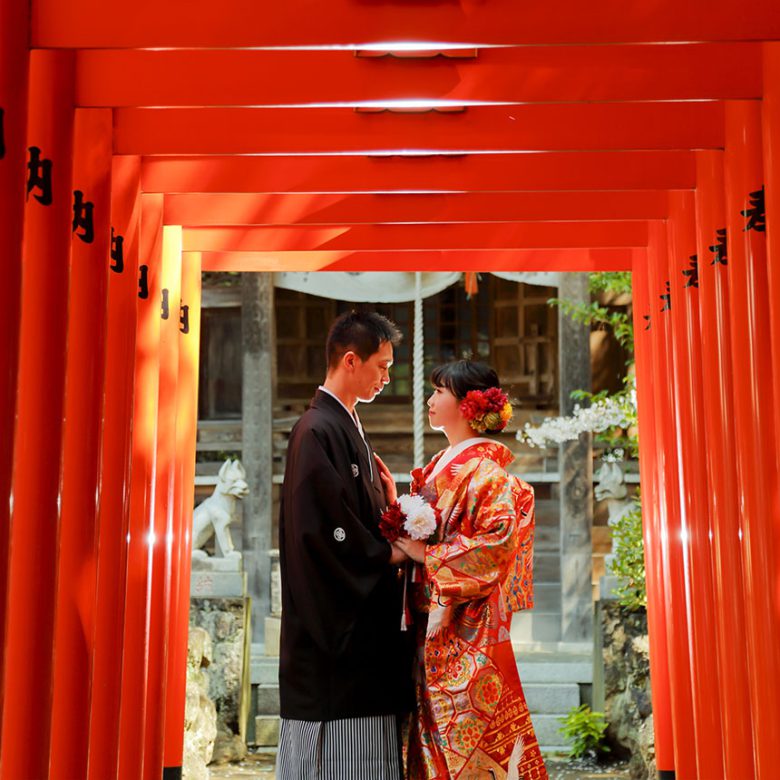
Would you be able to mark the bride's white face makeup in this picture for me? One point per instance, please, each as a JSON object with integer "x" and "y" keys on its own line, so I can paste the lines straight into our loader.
{"x": 443, "y": 409}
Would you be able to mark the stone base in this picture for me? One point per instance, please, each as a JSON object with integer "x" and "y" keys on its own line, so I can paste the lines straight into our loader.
{"x": 200, "y": 714}
{"x": 226, "y": 621}
{"x": 267, "y": 730}
{"x": 627, "y": 702}
{"x": 202, "y": 561}
{"x": 215, "y": 584}
{"x": 273, "y": 632}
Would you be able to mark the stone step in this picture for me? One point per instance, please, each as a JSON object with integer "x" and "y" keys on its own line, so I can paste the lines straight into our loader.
{"x": 547, "y": 538}
{"x": 547, "y": 597}
{"x": 267, "y": 730}
{"x": 547, "y": 566}
{"x": 555, "y": 672}
{"x": 536, "y": 626}
{"x": 554, "y": 651}
{"x": 555, "y": 750}
{"x": 547, "y": 507}
{"x": 546, "y": 729}
{"x": 264, "y": 671}
{"x": 547, "y": 513}
{"x": 267, "y": 700}
{"x": 555, "y": 698}
{"x": 545, "y": 726}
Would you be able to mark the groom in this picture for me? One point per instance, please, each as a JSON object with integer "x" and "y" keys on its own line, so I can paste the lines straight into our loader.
{"x": 345, "y": 672}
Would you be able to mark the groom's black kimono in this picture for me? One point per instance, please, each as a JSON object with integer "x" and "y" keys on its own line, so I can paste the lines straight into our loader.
{"x": 343, "y": 654}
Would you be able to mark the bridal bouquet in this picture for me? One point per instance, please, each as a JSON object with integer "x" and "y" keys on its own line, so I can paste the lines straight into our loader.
{"x": 410, "y": 516}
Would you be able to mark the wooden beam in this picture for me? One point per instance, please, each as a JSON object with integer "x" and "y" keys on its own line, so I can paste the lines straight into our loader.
{"x": 466, "y": 173}
{"x": 496, "y": 260}
{"x": 523, "y": 235}
{"x": 234, "y": 77}
{"x": 540, "y": 127}
{"x": 247, "y": 23}
{"x": 205, "y": 209}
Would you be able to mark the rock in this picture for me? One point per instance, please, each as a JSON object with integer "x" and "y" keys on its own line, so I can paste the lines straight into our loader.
{"x": 200, "y": 714}
{"x": 229, "y": 747}
{"x": 627, "y": 700}
{"x": 224, "y": 620}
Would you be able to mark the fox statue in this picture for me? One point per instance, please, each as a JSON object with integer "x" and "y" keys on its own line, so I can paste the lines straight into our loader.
{"x": 214, "y": 515}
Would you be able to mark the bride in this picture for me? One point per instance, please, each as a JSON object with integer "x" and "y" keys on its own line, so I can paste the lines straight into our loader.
{"x": 471, "y": 718}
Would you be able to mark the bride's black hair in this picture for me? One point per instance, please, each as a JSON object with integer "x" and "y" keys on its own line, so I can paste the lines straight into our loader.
{"x": 460, "y": 376}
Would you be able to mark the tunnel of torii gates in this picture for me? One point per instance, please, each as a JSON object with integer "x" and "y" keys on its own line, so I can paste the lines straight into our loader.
{"x": 143, "y": 142}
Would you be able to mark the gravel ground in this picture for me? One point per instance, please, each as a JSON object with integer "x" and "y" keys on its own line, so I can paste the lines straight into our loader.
{"x": 261, "y": 767}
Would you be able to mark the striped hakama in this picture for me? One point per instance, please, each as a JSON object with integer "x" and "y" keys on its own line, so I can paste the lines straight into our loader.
{"x": 348, "y": 749}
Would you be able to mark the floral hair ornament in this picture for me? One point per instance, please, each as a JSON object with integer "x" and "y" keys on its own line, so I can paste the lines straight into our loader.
{"x": 486, "y": 410}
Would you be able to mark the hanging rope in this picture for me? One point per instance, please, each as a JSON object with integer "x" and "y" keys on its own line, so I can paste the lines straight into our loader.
{"x": 418, "y": 380}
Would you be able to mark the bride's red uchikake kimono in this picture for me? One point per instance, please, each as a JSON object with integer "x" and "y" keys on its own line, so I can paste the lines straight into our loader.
{"x": 471, "y": 718}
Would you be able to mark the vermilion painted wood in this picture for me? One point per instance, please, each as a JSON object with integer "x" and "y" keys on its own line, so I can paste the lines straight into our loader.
{"x": 753, "y": 414}
{"x": 541, "y": 127}
{"x": 14, "y": 69}
{"x": 81, "y": 483}
{"x": 480, "y": 260}
{"x": 468, "y": 173}
{"x": 114, "y": 514}
{"x": 132, "y": 77}
{"x": 135, "y": 661}
{"x": 39, "y": 411}
{"x": 224, "y": 209}
{"x": 732, "y": 655}
{"x": 645, "y": 343}
{"x": 692, "y": 483}
{"x": 186, "y": 436}
{"x": 673, "y": 541}
{"x": 164, "y": 499}
{"x": 524, "y": 235}
{"x": 771, "y": 136}
{"x": 242, "y": 23}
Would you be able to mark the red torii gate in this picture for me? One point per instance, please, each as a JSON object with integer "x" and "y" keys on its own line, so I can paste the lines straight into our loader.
{"x": 143, "y": 141}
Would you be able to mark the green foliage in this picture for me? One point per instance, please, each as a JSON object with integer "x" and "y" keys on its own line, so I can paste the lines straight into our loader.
{"x": 619, "y": 322}
{"x": 616, "y": 282}
{"x": 628, "y": 563}
{"x": 595, "y": 314}
{"x": 585, "y": 729}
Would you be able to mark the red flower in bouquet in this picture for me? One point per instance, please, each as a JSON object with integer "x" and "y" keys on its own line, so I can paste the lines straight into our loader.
{"x": 410, "y": 516}
{"x": 392, "y": 523}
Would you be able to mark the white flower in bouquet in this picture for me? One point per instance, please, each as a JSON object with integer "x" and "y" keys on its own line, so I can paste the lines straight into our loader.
{"x": 420, "y": 520}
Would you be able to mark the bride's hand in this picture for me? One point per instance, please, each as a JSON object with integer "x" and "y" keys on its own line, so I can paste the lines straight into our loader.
{"x": 391, "y": 493}
{"x": 415, "y": 549}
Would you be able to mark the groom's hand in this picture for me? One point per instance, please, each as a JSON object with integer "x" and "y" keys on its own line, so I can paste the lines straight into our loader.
{"x": 397, "y": 556}
{"x": 412, "y": 548}
{"x": 391, "y": 493}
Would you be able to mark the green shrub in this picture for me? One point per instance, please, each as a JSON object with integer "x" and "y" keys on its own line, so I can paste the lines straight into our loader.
{"x": 585, "y": 729}
{"x": 628, "y": 563}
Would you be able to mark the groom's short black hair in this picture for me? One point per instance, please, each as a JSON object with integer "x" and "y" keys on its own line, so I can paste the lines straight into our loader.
{"x": 362, "y": 332}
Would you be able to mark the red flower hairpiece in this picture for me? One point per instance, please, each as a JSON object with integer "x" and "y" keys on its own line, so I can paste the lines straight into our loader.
{"x": 486, "y": 410}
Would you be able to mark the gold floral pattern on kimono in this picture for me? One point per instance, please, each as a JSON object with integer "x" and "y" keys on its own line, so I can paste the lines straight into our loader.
{"x": 472, "y": 720}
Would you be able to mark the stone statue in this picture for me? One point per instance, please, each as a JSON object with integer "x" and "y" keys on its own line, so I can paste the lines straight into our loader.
{"x": 611, "y": 487}
{"x": 217, "y": 512}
